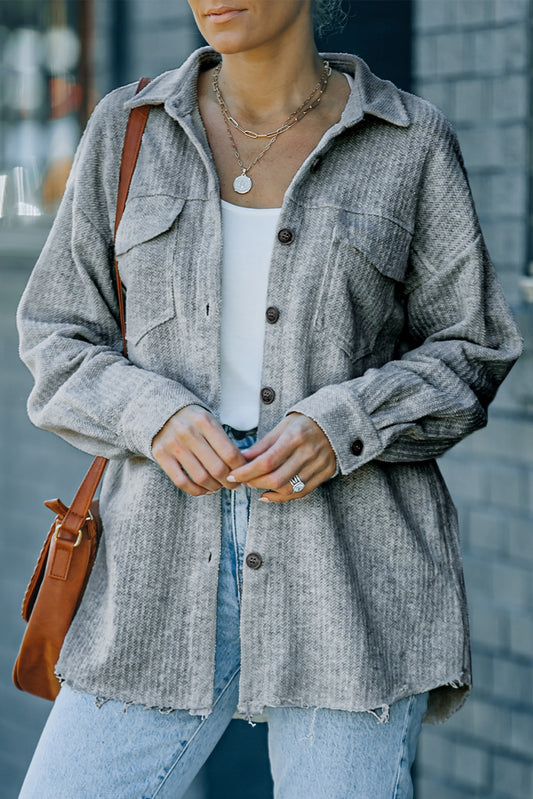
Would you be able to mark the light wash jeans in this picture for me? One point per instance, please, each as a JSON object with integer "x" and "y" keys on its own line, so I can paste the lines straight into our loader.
{"x": 91, "y": 749}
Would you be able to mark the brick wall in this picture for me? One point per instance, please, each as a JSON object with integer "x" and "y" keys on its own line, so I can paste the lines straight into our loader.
{"x": 472, "y": 59}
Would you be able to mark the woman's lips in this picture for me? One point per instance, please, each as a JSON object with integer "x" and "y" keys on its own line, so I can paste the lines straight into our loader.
{"x": 220, "y": 15}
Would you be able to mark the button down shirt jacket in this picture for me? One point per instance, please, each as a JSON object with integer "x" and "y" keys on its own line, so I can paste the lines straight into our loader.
{"x": 393, "y": 335}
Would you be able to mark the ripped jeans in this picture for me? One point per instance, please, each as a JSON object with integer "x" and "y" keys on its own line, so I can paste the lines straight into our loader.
{"x": 97, "y": 748}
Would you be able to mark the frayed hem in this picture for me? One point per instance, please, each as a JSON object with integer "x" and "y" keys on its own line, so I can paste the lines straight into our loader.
{"x": 437, "y": 712}
{"x": 456, "y": 684}
{"x": 384, "y": 716}
{"x": 100, "y": 701}
{"x": 447, "y": 695}
{"x": 203, "y": 712}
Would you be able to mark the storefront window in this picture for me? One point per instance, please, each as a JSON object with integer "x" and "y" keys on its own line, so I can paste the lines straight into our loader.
{"x": 45, "y": 98}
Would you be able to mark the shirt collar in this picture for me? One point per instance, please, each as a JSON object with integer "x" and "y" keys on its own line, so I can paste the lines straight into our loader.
{"x": 176, "y": 89}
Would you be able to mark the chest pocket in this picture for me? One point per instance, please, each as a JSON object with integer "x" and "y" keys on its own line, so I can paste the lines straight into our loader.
{"x": 362, "y": 282}
{"x": 145, "y": 248}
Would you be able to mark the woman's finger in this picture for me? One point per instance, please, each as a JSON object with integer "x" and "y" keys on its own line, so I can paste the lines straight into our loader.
{"x": 277, "y": 447}
{"x": 299, "y": 461}
{"x": 197, "y": 441}
{"x": 263, "y": 464}
{"x": 261, "y": 446}
{"x": 180, "y": 479}
{"x": 219, "y": 442}
{"x": 214, "y": 450}
{"x": 197, "y": 470}
{"x": 287, "y": 493}
{"x": 213, "y": 462}
{"x": 297, "y": 435}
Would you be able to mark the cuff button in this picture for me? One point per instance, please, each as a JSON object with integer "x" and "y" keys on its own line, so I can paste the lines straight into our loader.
{"x": 357, "y": 446}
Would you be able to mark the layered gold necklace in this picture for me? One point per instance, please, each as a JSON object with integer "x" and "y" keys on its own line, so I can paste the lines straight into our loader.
{"x": 243, "y": 182}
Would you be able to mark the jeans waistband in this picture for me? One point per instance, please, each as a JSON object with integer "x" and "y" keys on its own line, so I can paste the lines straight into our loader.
{"x": 238, "y": 435}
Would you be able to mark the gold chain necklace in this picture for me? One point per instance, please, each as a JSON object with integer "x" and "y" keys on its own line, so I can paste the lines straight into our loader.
{"x": 243, "y": 182}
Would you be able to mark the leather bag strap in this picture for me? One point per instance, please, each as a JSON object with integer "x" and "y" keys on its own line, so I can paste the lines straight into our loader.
{"x": 79, "y": 509}
{"x": 132, "y": 145}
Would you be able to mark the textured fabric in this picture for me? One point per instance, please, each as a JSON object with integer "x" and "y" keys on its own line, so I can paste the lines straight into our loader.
{"x": 132, "y": 751}
{"x": 393, "y": 335}
{"x": 247, "y": 240}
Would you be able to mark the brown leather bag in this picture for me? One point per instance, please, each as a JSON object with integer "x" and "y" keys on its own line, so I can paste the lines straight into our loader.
{"x": 64, "y": 565}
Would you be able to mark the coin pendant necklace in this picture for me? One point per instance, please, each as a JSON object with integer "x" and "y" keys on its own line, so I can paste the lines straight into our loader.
{"x": 243, "y": 183}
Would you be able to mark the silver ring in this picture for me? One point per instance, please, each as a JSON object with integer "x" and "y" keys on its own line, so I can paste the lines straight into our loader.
{"x": 297, "y": 483}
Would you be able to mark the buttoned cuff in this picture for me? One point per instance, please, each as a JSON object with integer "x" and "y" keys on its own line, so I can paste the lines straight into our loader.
{"x": 349, "y": 429}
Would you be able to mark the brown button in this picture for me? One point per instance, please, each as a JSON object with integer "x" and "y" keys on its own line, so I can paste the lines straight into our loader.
{"x": 272, "y": 314}
{"x": 316, "y": 164}
{"x": 285, "y": 235}
{"x": 268, "y": 395}
{"x": 254, "y": 560}
{"x": 357, "y": 446}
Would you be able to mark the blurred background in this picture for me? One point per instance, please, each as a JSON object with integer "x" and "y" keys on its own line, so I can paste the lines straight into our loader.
{"x": 472, "y": 58}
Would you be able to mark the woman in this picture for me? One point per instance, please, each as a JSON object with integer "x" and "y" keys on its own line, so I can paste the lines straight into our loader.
{"x": 301, "y": 255}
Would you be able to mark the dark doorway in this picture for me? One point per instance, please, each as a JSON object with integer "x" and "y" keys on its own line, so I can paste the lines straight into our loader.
{"x": 380, "y": 32}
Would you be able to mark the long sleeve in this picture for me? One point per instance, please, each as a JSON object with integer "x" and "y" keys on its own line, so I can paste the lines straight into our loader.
{"x": 85, "y": 390}
{"x": 461, "y": 336}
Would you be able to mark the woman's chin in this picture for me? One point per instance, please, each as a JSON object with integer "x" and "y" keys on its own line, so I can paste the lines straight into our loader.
{"x": 230, "y": 44}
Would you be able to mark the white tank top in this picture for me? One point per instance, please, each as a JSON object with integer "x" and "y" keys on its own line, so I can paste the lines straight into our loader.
{"x": 248, "y": 236}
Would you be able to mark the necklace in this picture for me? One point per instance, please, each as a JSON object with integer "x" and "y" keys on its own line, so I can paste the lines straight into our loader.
{"x": 243, "y": 182}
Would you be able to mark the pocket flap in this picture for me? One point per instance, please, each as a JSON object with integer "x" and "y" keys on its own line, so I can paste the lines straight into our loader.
{"x": 384, "y": 242}
{"x": 144, "y": 218}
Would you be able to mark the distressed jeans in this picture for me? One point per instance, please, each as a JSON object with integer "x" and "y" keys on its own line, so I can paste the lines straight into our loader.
{"x": 97, "y": 748}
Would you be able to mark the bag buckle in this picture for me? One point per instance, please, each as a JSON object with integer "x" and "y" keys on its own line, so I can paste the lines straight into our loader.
{"x": 59, "y": 525}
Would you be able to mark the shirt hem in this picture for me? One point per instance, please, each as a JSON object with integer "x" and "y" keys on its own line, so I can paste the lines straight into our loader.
{"x": 457, "y": 687}
{"x": 455, "y": 690}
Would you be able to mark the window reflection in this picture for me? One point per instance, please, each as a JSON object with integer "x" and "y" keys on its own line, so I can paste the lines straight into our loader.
{"x": 44, "y": 97}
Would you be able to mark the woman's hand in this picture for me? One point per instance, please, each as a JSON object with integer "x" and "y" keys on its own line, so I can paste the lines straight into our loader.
{"x": 297, "y": 445}
{"x": 194, "y": 450}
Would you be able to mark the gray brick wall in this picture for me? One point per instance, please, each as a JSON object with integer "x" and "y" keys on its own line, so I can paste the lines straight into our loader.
{"x": 473, "y": 60}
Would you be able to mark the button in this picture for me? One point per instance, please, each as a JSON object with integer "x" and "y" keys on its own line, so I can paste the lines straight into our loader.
{"x": 272, "y": 315}
{"x": 254, "y": 560}
{"x": 316, "y": 164}
{"x": 285, "y": 235}
{"x": 357, "y": 446}
{"x": 268, "y": 395}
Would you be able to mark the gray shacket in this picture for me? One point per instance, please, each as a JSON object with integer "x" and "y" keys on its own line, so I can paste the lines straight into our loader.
{"x": 393, "y": 335}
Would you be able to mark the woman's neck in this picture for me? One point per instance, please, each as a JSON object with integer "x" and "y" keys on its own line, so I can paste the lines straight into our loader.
{"x": 263, "y": 88}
